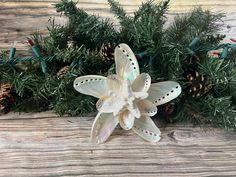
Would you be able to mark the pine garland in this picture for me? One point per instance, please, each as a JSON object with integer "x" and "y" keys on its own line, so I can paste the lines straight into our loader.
{"x": 40, "y": 82}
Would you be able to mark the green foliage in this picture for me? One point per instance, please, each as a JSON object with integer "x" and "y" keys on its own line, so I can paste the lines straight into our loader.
{"x": 222, "y": 75}
{"x": 145, "y": 29}
{"x": 209, "y": 110}
{"x": 83, "y": 29}
{"x": 198, "y": 23}
{"x": 167, "y": 52}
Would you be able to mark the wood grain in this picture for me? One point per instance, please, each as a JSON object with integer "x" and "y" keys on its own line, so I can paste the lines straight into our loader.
{"x": 20, "y": 18}
{"x": 45, "y": 145}
{"x": 56, "y": 147}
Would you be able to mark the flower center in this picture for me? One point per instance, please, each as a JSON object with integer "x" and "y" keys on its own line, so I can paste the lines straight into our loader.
{"x": 125, "y": 98}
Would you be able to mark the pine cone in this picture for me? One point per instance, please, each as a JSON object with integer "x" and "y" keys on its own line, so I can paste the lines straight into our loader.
{"x": 6, "y": 98}
{"x": 107, "y": 52}
{"x": 63, "y": 71}
{"x": 199, "y": 85}
{"x": 168, "y": 108}
{"x": 167, "y": 111}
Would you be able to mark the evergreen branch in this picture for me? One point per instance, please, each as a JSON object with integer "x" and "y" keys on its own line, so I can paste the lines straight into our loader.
{"x": 118, "y": 11}
{"x": 198, "y": 23}
{"x": 69, "y": 9}
{"x": 83, "y": 29}
{"x": 221, "y": 73}
{"x": 215, "y": 111}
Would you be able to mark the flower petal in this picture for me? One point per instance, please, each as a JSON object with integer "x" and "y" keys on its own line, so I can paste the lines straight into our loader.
{"x": 126, "y": 120}
{"x": 114, "y": 83}
{"x": 163, "y": 92}
{"x": 147, "y": 108}
{"x": 146, "y": 128}
{"x": 103, "y": 126}
{"x": 126, "y": 63}
{"x": 141, "y": 83}
{"x": 91, "y": 85}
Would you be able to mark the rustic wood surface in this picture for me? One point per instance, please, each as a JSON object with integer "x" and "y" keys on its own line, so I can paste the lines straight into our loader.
{"x": 49, "y": 146}
{"x": 19, "y": 18}
{"x": 44, "y": 145}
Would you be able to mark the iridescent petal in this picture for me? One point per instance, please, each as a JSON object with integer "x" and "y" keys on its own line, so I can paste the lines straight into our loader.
{"x": 91, "y": 85}
{"x": 126, "y": 120}
{"x": 126, "y": 63}
{"x": 163, "y": 92}
{"x": 141, "y": 83}
{"x": 114, "y": 83}
{"x": 103, "y": 126}
{"x": 146, "y": 128}
{"x": 147, "y": 108}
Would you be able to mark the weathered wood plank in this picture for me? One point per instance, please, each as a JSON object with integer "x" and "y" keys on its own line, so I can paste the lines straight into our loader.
{"x": 19, "y": 18}
{"x": 33, "y": 145}
{"x": 19, "y": 115}
{"x": 60, "y": 147}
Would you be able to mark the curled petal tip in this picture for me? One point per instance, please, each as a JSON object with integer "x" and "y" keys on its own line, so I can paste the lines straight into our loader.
{"x": 95, "y": 141}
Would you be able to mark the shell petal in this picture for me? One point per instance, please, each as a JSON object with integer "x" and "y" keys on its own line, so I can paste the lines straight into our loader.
{"x": 147, "y": 108}
{"x": 91, "y": 85}
{"x": 163, "y": 92}
{"x": 141, "y": 83}
{"x": 126, "y": 120}
{"x": 114, "y": 83}
{"x": 146, "y": 128}
{"x": 103, "y": 126}
{"x": 126, "y": 63}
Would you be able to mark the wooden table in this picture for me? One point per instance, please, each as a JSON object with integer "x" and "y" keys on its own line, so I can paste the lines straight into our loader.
{"x": 44, "y": 145}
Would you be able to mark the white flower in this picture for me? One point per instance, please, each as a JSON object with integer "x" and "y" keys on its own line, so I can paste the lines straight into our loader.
{"x": 127, "y": 98}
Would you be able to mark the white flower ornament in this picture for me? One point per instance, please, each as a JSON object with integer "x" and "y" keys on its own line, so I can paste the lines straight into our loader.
{"x": 127, "y": 98}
